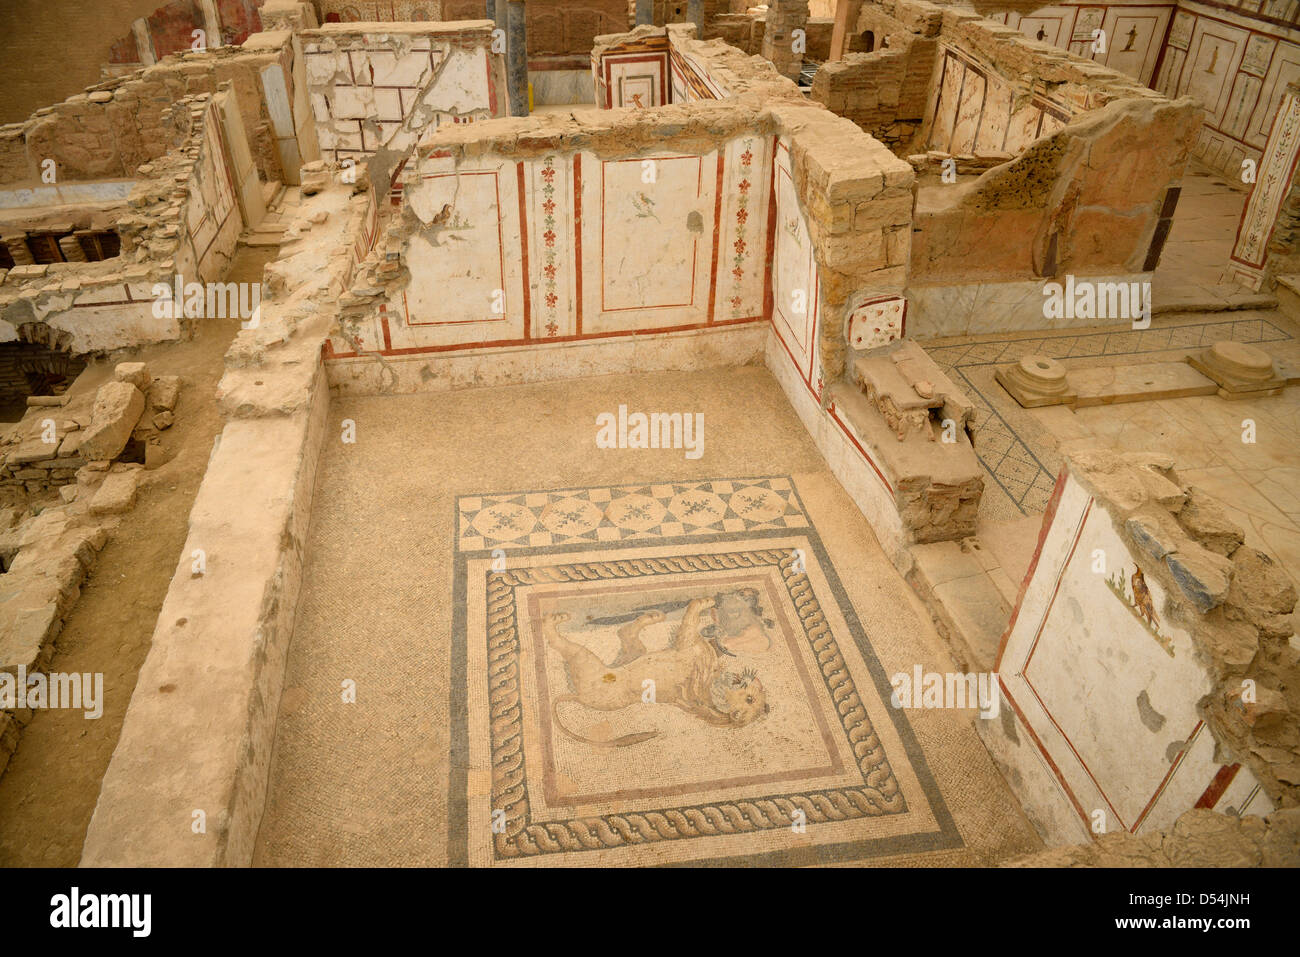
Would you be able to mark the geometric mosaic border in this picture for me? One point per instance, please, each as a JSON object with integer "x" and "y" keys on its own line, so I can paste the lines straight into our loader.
{"x": 620, "y": 513}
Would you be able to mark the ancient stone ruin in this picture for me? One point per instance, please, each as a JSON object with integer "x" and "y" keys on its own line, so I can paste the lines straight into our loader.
{"x": 654, "y": 434}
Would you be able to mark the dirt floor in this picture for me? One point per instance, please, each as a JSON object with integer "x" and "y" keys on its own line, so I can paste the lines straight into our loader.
{"x": 49, "y": 790}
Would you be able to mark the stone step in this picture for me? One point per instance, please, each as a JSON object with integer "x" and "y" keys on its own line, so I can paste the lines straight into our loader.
{"x": 969, "y": 595}
{"x": 249, "y": 238}
{"x": 1195, "y": 297}
{"x": 1288, "y": 295}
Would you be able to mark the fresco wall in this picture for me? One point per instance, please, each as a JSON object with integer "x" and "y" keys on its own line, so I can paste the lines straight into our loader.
{"x": 653, "y": 66}
{"x": 577, "y": 246}
{"x": 1234, "y": 58}
{"x": 1134, "y": 32}
{"x": 633, "y": 71}
{"x": 212, "y": 218}
{"x": 1095, "y": 654}
{"x": 365, "y": 84}
{"x": 982, "y": 247}
{"x": 1237, "y": 67}
{"x": 975, "y": 110}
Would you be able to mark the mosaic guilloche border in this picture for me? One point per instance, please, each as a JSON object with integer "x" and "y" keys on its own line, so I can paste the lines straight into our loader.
{"x": 612, "y": 831}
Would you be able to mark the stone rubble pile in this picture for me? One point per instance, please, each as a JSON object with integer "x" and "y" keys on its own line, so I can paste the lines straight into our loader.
{"x": 46, "y": 551}
{"x": 46, "y": 558}
{"x": 1200, "y": 838}
{"x": 77, "y": 438}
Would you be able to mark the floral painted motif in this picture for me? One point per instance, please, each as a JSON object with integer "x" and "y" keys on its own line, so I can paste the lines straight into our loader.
{"x": 549, "y": 270}
{"x": 741, "y": 246}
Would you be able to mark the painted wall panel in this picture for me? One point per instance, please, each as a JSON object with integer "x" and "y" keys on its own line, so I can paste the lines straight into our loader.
{"x": 1089, "y": 660}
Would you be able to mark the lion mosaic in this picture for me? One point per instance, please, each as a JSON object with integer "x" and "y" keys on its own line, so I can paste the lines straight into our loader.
{"x": 688, "y": 674}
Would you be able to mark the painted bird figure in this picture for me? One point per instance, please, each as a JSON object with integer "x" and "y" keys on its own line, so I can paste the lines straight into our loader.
{"x": 1142, "y": 598}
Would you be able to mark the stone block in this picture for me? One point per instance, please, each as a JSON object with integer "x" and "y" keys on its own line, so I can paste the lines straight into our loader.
{"x": 117, "y": 409}
{"x": 28, "y": 639}
{"x": 136, "y": 373}
{"x": 1262, "y": 591}
{"x": 1206, "y": 521}
{"x": 1148, "y": 536}
{"x": 1201, "y": 575}
{"x": 164, "y": 393}
{"x": 115, "y": 495}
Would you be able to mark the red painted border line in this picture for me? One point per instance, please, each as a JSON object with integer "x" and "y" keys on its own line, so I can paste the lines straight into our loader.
{"x": 848, "y": 433}
{"x": 1024, "y": 669}
{"x": 590, "y": 336}
{"x": 577, "y": 242}
{"x": 1049, "y": 515}
{"x": 523, "y": 254}
{"x": 1222, "y": 779}
{"x": 1006, "y": 693}
{"x": 771, "y": 232}
{"x": 717, "y": 238}
{"x": 1164, "y": 782}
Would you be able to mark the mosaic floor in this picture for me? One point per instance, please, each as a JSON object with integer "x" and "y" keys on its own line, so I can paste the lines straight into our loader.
{"x": 667, "y": 673}
{"x": 477, "y": 626}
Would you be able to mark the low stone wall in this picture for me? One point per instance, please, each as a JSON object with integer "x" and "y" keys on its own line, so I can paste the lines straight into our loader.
{"x": 117, "y": 125}
{"x": 46, "y": 558}
{"x": 194, "y": 796}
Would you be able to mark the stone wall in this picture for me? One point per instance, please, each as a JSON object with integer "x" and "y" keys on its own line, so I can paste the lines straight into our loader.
{"x": 1085, "y": 164}
{"x": 563, "y": 28}
{"x": 215, "y": 668}
{"x": 115, "y": 126}
{"x": 577, "y": 244}
{"x": 1234, "y": 60}
{"x": 182, "y": 219}
{"x": 886, "y": 88}
{"x": 884, "y": 92}
{"x": 784, "y": 17}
